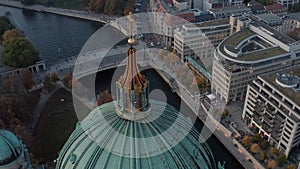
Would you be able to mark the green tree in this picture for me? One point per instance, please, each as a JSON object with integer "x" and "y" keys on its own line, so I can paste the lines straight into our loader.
{"x": 27, "y": 2}
{"x": 5, "y": 25}
{"x": 296, "y": 7}
{"x": 246, "y": 140}
{"x": 264, "y": 145}
{"x": 281, "y": 159}
{"x": 256, "y": 138}
{"x": 13, "y": 33}
{"x": 18, "y": 52}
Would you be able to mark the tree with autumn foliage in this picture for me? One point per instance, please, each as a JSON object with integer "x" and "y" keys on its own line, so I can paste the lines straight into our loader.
{"x": 274, "y": 151}
{"x": 112, "y": 7}
{"x": 104, "y": 97}
{"x": 255, "y": 148}
{"x": 271, "y": 164}
{"x": 54, "y": 77}
{"x": 47, "y": 82}
{"x": 246, "y": 140}
{"x": 263, "y": 156}
{"x": 26, "y": 79}
{"x": 67, "y": 80}
{"x": 10, "y": 34}
{"x": 291, "y": 166}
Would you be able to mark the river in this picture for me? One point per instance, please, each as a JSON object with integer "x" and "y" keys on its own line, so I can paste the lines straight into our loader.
{"x": 52, "y": 35}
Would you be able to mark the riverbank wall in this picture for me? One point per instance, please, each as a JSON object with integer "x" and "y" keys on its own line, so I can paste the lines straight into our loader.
{"x": 58, "y": 11}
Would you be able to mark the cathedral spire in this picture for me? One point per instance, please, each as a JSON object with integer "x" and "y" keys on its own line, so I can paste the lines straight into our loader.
{"x": 132, "y": 87}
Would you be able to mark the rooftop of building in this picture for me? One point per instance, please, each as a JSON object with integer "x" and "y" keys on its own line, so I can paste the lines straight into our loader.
{"x": 236, "y": 38}
{"x": 271, "y": 31}
{"x": 258, "y": 9}
{"x": 253, "y": 3}
{"x": 247, "y": 52}
{"x": 294, "y": 16}
{"x": 290, "y": 93}
{"x": 213, "y": 23}
{"x": 262, "y": 54}
{"x": 167, "y": 6}
{"x": 204, "y": 17}
{"x": 179, "y": 1}
{"x": 269, "y": 18}
{"x": 276, "y": 7}
{"x": 228, "y": 8}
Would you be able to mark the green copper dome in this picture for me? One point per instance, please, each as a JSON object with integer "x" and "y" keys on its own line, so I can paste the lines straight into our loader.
{"x": 10, "y": 147}
{"x": 165, "y": 139}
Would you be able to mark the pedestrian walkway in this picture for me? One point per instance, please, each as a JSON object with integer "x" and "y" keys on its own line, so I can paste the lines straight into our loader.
{"x": 39, "y": 108}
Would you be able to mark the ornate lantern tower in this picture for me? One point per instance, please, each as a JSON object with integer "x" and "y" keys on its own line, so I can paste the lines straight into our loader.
{"x": 132, "y": 87}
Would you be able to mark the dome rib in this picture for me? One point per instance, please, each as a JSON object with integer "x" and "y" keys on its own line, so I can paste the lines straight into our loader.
{"x": 123, "y": 145}
{"x": 157, "y": 150}
{"x": 145, "y": 145}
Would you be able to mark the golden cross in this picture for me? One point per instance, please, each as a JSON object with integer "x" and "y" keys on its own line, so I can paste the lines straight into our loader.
{"x": 131, "y": 40}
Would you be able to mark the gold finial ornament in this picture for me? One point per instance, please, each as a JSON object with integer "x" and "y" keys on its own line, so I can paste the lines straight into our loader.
{"x": 131, "y": 20}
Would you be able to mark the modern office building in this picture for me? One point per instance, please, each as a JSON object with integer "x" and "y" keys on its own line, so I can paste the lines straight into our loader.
{"x": 287, "y": 3}
{"x": 227, "y": 11}
{"x": 255, "y": 49}
{"x": 216, "y": 30}
{"x": 272, "y": 106}
{"x": 198, "y": 40}
{"x": 283, "y": 24}
{"x": 190, "y": 41}
{"x": 13, "y": 154}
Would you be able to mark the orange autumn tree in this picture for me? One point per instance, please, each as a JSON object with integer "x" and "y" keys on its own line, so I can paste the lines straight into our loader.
{"x": 104, "y": 97}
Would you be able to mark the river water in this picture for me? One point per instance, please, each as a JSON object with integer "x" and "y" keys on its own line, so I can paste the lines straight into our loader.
{"x": 59, "y": 37}
{"x": 52, "y": 35}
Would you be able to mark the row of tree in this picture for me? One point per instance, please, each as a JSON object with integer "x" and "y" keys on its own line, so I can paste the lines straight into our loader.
{"x": 110, "y": 7}
{"x": 259, "y": 146}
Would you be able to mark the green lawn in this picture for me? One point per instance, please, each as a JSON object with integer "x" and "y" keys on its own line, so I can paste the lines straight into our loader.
{"x": 57, "y": 122}
{"x": 236, "y": 38}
